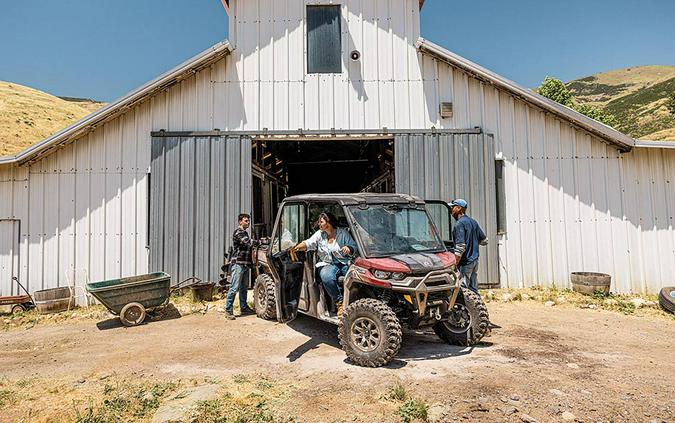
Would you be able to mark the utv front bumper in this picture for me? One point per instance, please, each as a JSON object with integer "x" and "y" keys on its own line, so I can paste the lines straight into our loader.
{"x": 431, "y": 296}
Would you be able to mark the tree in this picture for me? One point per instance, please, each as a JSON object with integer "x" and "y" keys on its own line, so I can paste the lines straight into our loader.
{"x": 671, "y": 104}
{"x": 598, "y": 114}
{"x": 554, "y": 89}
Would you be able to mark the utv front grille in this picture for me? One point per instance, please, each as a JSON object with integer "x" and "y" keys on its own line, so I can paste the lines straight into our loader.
{"x": 436, "y": 280}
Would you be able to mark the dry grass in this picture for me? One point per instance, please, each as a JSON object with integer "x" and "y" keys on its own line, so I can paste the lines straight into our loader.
{"x": 636, "y": 97}
{"x": 665, "y": 135}
{"x": 107, "y": 398}
{"x": 28, "y": 116}
{"x": 628, "y": 81}
{"x": 181, "y": 302}
{"x": 637, "y": 305}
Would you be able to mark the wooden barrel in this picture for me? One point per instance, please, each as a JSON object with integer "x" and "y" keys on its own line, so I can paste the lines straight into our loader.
{"x": 589, "y": 282}
{"x": 53, "y": 300}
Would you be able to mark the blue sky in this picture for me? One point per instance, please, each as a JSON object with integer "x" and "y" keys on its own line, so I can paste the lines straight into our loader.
{"x": 103, "y": 48}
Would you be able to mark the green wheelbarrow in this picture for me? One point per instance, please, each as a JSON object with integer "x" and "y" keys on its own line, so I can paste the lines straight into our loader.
{"x": 131, "y": 298}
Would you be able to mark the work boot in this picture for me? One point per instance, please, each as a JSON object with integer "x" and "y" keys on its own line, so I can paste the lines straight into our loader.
{"x": 338, "y": 307}
{"x": 229, "y": 315}
{"x": 247, "y": 311}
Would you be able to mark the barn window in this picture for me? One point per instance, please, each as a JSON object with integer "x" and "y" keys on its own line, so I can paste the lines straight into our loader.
{"x": 324, "y": 39}
{"x": 501, "y": 197}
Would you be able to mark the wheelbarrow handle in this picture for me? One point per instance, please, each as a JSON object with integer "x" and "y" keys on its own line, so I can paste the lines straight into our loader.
{"x": 16, "y": 279}
{"x": 183, "y": 284}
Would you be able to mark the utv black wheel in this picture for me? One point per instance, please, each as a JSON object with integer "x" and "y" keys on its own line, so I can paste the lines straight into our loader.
{"x": 370, "y": 333}
{"x": 263, "y": 296}
{"x": 468, "y": 320}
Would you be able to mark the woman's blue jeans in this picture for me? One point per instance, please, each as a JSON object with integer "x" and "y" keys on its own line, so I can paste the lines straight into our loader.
{"x": 329, "y": 277}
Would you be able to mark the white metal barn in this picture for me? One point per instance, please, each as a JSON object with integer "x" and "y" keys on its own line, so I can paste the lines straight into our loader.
{"x": 308, "y": 88}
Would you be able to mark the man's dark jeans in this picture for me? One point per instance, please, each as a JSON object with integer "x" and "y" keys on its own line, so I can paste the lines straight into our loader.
{"x": 238, "y": 283}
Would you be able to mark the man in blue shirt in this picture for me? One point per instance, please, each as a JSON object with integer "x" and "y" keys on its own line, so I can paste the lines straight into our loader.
{"x": 467, "y": 235}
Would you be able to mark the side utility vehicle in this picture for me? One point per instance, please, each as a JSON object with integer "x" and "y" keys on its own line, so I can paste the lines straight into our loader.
{"x": 402, "y": 274}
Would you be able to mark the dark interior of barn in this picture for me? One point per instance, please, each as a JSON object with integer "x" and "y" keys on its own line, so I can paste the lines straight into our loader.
{"x": 282, "y": 168}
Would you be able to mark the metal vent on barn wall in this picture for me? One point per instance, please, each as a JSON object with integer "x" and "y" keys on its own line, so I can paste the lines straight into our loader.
{"x": 446, "y": 110}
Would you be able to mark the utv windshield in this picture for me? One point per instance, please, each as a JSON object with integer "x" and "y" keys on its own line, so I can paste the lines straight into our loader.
{"x": 395, "y": 229}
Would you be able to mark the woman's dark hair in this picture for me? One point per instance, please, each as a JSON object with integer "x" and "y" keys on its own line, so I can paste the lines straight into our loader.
{"x": 329, "y": 218}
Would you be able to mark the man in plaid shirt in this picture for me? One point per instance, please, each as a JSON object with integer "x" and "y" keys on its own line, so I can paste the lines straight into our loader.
{"x": 240, "y": 266}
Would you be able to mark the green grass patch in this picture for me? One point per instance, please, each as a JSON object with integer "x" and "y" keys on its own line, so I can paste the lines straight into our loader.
{"x": 240, "y": 379}
{"x": 396, "y": 393}
{"x": 6, "y": 397}
{"x": 124, "y": 402}
{"x": 413, "y": 409}
{"x": 25, "y": 383}
{"x": 252, "y": 408}
{"x": 264, "y": 383}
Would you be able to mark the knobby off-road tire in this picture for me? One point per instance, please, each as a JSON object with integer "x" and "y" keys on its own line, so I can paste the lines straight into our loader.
{"x": 667, "y": 300}
{"x": 468, "y": 323}
{"x": 370, "y": 333}
{"x": 263, "y": 297}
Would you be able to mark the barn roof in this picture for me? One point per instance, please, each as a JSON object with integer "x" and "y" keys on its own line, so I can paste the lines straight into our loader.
{"x": 89, "y": 122}
{"x": 211, "y": 55}
{"x": 606, "y": 133}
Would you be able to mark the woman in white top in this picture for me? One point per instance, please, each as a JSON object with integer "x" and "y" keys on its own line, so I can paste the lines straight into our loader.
{"x": 334, "y": 246}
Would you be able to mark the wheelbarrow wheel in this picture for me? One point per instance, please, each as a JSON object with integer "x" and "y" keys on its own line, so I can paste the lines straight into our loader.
{"x": 18, "y": 309}
{"x": 132, "y": 314}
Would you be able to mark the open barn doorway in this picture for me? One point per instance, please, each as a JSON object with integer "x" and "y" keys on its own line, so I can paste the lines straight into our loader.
{"x": 283, "y": 167}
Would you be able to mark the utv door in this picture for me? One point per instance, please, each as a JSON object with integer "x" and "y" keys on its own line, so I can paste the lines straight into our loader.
{"x": 288, "y": 266}
{"x": 439, "y": 211}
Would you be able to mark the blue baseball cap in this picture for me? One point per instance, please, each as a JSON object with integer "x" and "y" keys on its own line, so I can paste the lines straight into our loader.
{"x": 459, "y": 202}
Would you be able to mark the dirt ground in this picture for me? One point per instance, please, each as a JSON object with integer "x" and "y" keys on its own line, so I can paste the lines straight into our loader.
{"x": 544, "y": 364}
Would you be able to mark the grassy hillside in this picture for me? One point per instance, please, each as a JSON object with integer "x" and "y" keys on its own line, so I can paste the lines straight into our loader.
{"x": 28, "y": 116}
{"x": 635, "y": 96}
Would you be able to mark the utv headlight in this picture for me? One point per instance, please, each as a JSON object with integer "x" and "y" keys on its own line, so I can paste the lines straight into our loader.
{"x": 381, "y": 274}
{"x": 399, "y": 276}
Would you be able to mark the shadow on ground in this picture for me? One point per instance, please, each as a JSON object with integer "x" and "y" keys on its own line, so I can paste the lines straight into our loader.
{"x": 170, "y": 312}
{"x": 417, "y": 345}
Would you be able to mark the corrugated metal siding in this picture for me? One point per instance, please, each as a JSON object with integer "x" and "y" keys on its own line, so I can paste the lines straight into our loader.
{"x": 573, "y": 203}
{"x": 9, "y": 257}
{"x": 85, "y": 206}
{"x": 82, "y": 207}
{"x": 581, "y": 206}
{"x": 267, "y": 70}
{"x": 447, "y": 166}
{"x": 199, "y": 185}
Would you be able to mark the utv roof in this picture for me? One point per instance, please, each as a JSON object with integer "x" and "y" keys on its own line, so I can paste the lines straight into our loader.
{"x": 358, "y": 198}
